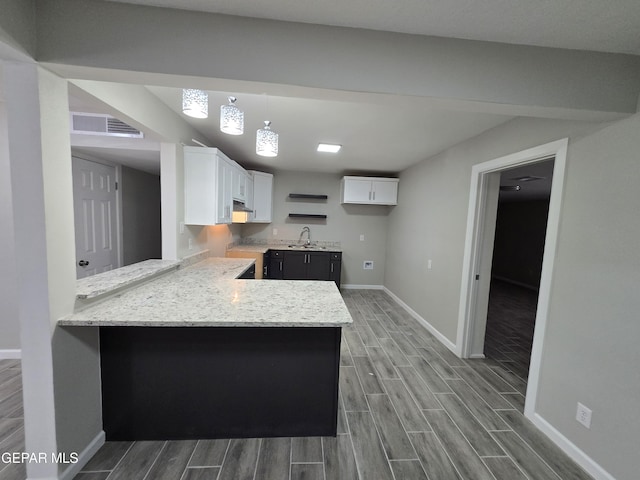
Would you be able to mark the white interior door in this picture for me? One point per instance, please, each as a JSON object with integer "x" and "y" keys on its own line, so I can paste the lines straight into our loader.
{"x": 94, "y": 204}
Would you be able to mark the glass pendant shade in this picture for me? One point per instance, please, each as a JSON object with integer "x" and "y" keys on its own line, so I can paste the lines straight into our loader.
{"x": 231, "y": 118}
{"x": 267, "y": 141}
{"x": 195, "y": 103}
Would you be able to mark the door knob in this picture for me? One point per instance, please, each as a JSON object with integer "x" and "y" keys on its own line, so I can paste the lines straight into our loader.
{"x": 83, "y": 263}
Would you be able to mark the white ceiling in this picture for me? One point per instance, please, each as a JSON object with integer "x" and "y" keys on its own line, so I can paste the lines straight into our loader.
{"x": 379, "y": 133}
{"x": 599, "y": 25}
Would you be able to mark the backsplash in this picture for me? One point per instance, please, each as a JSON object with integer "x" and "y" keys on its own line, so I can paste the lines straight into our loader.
{"x": 264, "y": 241}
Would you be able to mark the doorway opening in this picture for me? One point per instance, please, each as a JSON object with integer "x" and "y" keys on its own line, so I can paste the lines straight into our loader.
{"x": 518, "y": 249}
{"x": 117, "y": 215}
{"x": 478, "y": 255}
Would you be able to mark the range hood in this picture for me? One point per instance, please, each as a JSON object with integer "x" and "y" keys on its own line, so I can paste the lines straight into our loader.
{"x": 240, "y": 212}
{"x": 240, "y": 207}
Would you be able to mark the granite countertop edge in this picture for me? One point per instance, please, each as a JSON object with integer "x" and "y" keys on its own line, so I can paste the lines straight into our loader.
{"x": 258, "y": 248}
{"x": 208, "y": 294}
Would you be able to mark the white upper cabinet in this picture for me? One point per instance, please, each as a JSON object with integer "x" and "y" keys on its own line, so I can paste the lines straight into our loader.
{"x": 208, "y": 185}
{"x": 262, "y": 197}
{"x": 369, "y": 190}
{"x": 240, "y": 180}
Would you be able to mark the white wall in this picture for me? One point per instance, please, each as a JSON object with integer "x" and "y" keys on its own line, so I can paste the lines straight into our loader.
{"x": 344, "y": 223}
{"x": 220, "y": 236}
{"x": 61, "y": 412}
{"x": 9, "y": 320}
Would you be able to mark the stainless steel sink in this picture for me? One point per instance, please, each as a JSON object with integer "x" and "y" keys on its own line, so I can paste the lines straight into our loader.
{"x": 314, "y": 247}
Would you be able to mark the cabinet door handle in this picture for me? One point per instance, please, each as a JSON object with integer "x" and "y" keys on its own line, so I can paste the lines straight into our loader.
{"x": 369, "y": 194}
{"x": 280, "y": 265}
{"x": 332, "y": 268}
{"x": 374, "y": 194}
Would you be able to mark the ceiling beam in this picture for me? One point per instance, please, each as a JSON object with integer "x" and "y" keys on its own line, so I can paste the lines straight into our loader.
{"x": 536, "y": 80}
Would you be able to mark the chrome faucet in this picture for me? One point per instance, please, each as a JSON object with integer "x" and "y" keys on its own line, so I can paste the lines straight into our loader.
{"x": 308, "y": 231}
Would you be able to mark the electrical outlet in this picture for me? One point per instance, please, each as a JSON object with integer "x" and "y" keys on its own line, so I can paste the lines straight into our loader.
{"x": 367, "y": 265}
{"x": 191, "y": 244}
{"x": 583, "y": 415}
{"x": 275, "y": 232}
{"x": 429, "y": 264}
{"x": 362, "y": 237}
{"x": 181, "y": 227}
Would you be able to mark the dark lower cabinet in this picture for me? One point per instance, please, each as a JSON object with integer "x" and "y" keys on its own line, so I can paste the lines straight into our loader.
{"x": 172, "y": 383}
{"x": 301, "y": 265}
{"x": 276, "y": 257}
{"x": 318, "y": 266}
{"x": 249, "y": 273}
{"x": 306, "y": 266}
{"x": 335, "y": 267}
{"x": 294, "y": 266}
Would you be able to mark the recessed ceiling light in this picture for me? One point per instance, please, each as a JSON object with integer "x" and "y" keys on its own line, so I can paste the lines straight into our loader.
{"x": 329, "y": 148}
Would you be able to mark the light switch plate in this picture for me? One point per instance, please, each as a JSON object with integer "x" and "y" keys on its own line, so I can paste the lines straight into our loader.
{"x": 367, "y": 265}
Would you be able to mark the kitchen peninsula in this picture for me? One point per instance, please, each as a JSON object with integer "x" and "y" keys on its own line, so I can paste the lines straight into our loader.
{"x": 196, "y": 353}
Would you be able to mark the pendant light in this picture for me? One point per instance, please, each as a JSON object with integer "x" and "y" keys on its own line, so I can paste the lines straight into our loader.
{"x": 195, "y": 103}
{"x": 231, "y": 118}
{"x": 267, "y": 141}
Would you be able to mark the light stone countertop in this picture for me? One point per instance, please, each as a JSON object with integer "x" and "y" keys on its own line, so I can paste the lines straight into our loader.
{"x": 207, "y": 294}
{"x": 96, "y": 285}
{"x": 257, "y": 248}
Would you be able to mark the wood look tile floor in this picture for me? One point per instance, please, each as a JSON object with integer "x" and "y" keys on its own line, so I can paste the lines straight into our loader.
{"x": 510, "y": 323}
{"x": 409, "y": 409}
{"x": 11, "y": 418}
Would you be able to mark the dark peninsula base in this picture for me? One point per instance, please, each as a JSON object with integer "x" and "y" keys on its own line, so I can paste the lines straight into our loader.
{"x": 165, "y": 383}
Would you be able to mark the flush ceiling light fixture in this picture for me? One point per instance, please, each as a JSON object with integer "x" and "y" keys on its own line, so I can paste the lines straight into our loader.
{"x": 231, "y": 118}
{"x": 195, "y": 103}
{"x": 329, "y": 148}
{"x": 528, "y": 178}
{"x": 267, "y": 141}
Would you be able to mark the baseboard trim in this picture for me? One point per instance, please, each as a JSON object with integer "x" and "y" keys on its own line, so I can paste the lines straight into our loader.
{"x": 83, "y": 457}
{"x": 568, "y": 447}
{"x": 353, "y": 286}
{"x": 444, "y": 340}
{"x": 11, "y": 354}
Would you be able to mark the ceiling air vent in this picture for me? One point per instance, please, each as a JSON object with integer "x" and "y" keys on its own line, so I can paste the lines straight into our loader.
{"x": 100, "y": 124}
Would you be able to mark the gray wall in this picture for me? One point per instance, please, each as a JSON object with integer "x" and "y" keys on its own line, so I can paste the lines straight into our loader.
{"x": 17, "y": 28}
{"x": 9, "y": 320}
{"x": 344, "y": 223}
{"x": 590, "y": 351}
{"x": 430, "y": 219}
{"x": 141, "y": 232}
{"x": 553, "y": 80}
{"x": 519, "y": 241}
